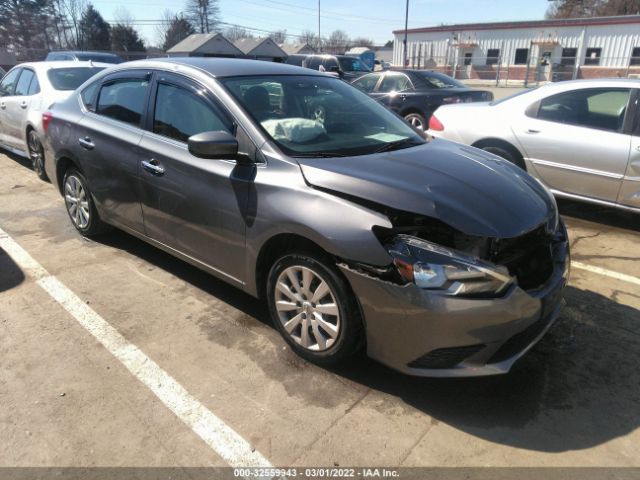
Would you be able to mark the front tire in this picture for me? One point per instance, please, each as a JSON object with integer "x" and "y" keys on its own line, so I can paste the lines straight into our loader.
{"x": 36, "y": 154}
{"x": 505, "y": 153}
{"x": 80, "y": 206}
{"x": 314, "y": 309}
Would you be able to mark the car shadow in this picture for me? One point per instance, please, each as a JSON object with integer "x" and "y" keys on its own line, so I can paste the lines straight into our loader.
{"x": 10, "y": 273}
{"x": 613, "y": 217}
{"x": 22, "y": 161}
{"x": 577, "y": 388}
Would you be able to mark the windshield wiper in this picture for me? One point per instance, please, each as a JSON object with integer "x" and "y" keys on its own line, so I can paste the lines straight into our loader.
{"x": 398, "y": 144}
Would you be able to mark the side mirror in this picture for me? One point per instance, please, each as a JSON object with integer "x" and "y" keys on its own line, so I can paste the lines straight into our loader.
{"x": 214, "y": 145}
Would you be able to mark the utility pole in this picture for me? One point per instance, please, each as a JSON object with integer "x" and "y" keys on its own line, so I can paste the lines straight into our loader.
{"x": 405, "y": 58}
{"x": 319, "y": 37}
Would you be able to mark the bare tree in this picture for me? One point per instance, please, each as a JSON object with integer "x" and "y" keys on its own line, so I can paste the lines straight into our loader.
{"x": 204, "y": 15}
{"x": 123, "y": 17}
{"x": 279, "y": 36}
{"x": 592, "y": 8}
{"x": 236, "y": 33}
{"x": 337, "y": 42}
{"x": 362, "y": 42}
{"x": 310, "y": 38}
{"x": 178, "y": 29}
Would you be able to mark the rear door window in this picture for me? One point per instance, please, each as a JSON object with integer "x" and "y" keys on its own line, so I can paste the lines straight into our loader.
{"x": 123, "y": 99}
{"x": 395, "y": 82}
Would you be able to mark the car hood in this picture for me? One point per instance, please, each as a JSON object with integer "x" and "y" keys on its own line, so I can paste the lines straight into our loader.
{"x": 472, "y": 191}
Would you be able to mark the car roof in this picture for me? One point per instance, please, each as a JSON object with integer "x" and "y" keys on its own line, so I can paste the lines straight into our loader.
{"x": 596, "y": 82}
{"x": 91, "y": 52}
{"x": 222, "y": 67}
{"x": 54, "y": 65}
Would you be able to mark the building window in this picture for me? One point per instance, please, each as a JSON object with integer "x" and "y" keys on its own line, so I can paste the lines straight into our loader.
{"x": 593, "y": 56}
{"x": 522, "y": 55}
{"x": 635, "y": 56}
{"x": 493, "y": 54}
{"x": 467, "y": 58}
{"x": 569, "y": 56}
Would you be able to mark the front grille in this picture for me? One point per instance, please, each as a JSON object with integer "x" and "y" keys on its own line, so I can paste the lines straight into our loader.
{"x": 519, "y": 341}
{"x": 529, "y": 257}
{"x": 445, "y": 357}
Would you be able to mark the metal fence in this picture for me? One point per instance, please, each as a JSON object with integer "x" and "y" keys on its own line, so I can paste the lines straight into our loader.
{"x": 533, "y": 70}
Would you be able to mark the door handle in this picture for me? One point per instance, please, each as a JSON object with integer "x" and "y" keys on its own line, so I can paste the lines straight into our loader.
{"x": 86, "y": 143}
{"x": 23, "y": 105}
{"x": 638, "y": 148}
{"x": 3, "y": 106}
{"x": 532, "y": 131}
{"x": 153, "y": 167}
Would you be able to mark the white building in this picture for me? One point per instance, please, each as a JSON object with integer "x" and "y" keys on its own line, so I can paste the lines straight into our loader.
{"x": 535, "y": 50}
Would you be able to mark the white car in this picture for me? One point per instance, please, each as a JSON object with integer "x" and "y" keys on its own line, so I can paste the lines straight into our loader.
{"x": 580, "y": 138}
{"x": 26, "y": 91}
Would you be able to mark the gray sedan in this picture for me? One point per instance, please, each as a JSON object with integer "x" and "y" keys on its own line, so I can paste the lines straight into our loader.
{"x": 439, "y": 258}
{"x": 581, "y": 138}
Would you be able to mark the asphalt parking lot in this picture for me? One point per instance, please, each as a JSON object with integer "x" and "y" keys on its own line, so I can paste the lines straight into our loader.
{"x": 66, "y": 400}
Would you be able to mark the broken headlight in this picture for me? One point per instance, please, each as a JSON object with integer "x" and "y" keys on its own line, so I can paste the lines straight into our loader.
{"x": 433, "y": 267}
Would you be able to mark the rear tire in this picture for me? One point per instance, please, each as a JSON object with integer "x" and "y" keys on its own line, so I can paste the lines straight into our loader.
{"x": 36, "y": 154}
{"x": 417, "y": 121}
{"x": 314, "y": 308}
{"x": 80, "y": 205}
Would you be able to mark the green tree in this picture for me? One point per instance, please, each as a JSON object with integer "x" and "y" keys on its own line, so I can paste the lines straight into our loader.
{"x": 125, "y": 38}
{"x": 178, "y": 29}
{"x": 95, "y": 32}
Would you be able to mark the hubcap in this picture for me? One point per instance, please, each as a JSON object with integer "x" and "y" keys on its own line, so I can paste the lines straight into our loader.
{"x": 35, "y": 151}
{"x": 415, "y": 121}
{"x": 307, "y": 308}
{"x": 76, "y": 200}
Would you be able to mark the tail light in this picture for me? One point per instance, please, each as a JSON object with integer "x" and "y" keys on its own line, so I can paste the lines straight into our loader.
{"x": 452, "y": 100}
{"x": 46, "y": 120}
{"x": 435, "y": 124}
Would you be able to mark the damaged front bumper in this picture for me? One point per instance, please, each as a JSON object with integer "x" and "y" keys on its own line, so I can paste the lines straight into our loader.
{"x": 425, "y": 333}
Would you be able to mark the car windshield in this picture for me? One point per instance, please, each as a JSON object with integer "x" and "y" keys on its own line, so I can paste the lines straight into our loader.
{"x": 352, "y": 65}
{"x": 71, "y": 78}
{"x": 437, "y": 80}
{"x": 318, "y": 116}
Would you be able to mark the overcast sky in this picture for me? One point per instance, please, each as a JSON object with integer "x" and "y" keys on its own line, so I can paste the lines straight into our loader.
{"x": 374, "y": 19}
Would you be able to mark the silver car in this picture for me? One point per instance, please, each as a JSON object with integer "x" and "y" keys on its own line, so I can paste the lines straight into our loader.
{"x": 441, "y": 259}
{"x": 580, "y": 138}
{"x": 26, "y": 91}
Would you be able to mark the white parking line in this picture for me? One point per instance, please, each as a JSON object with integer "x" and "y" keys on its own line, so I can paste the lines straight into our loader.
{"x": 607, "y": 273}
{"x": 227, "y": 443}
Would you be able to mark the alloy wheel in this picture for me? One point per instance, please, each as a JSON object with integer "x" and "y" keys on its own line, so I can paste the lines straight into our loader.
{"x": 76, "y": 201}
{"x": 307, "y": 308}
{"x": 36, "y": 153}
{"x": 415, "y": 121}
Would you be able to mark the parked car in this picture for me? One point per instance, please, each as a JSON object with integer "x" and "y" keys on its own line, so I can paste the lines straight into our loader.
{"x": 416, "y": 94}
{"x": 580, "y": 138}
{"x": 27, "y": 91}
{"x": 296, "y": 59}
{"x": 442, "y": 259}
{"x": 346, "y": 67}
{"x": 82, "y": 56}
